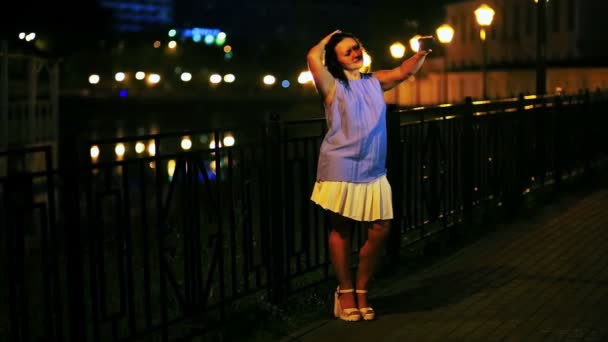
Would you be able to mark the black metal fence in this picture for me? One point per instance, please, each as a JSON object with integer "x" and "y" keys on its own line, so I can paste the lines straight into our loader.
{"x": 156, "y": 237}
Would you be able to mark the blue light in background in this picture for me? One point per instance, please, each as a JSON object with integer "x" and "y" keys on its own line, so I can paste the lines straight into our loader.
{"x": 200, "y": 31}
{"x": 123, "y": 93}
{"x": 209, "y": 39}
{"x": 285, "y": 84}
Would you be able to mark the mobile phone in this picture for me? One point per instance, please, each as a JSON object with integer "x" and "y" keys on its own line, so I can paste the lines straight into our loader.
{"x": 426, "y": 43}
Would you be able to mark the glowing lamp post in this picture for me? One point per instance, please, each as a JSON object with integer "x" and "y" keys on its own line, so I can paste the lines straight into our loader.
{"x": 445, "y": 34}
{"x": 484, "y": 15}
{"x": 414, "y": 45}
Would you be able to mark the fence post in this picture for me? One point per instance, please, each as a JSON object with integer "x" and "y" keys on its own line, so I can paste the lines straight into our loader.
{"x": 514, "y": 177}
{"x": 467, "y": 163}
{"x": 18, "y": 204}
{"x": 558, "y": 138}
{"x": 4, "y": 126}
{"x": 69, "y": 173}
{"x": 585, "y": 110}
{"x": 394, "y": 163}
{"x": 275, "y": 166}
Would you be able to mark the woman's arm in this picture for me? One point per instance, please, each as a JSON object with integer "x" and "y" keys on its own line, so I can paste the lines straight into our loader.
{"x": 324, "y": 81}
{"x": 390, "y": 78}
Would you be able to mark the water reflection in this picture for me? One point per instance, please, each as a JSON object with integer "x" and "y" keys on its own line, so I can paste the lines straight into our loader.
{"x": 129, "y": 150}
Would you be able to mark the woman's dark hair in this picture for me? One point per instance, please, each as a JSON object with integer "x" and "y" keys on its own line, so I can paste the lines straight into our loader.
{"x": 331, "y": 59}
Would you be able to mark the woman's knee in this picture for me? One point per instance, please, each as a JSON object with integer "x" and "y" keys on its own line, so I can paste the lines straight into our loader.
{"x": 380, "y": 229}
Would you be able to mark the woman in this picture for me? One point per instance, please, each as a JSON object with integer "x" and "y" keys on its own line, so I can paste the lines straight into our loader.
{"x": 351, "y": 175}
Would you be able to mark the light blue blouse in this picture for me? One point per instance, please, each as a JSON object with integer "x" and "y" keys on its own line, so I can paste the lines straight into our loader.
{"x": 354, "y": 148}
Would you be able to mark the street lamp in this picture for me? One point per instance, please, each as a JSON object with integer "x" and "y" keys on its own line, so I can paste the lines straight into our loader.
{"x": 397, "y": 51}
{"x": 445, "y": 34}
{"x": 414, "y": 44}
{"x": 484, "y": 15}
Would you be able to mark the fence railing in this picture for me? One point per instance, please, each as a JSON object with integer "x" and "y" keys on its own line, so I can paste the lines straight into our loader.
{"x": 160, "y": 235}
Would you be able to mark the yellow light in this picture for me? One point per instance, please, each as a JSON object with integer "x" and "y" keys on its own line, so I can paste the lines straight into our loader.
{"x": 140, "y": 147}
{"x": 186, "y": 76}
{"x": 215, "y": 78}
{"x": 269, "y": 80}
{"x": 153, "y": 78}
{"x": 212, "y": 166}
{"x": 119, "y": 76}
{"x": 227, "y": 48}
{"x": 305, "y": 77}
{"x": 94, "y": 152}
{"x": 229, "y": 140}
{"x": 445, "y": 33}
{"x": 482, "y": 34}
{"x": 484, "y": 15}
{"x": 157, "y": 44}
{"x": 397, "y": 50}
{"x": 171, "y": 167}
{"x": 414, "y": 44}
{"x": 367, "y": 59}
{"x": 94, "y": 79}
{"x": 120, "y": 149}
{"x": 186, "y": 143}
{"x": 212, "y": 144}
{"x": 229, "y": 78}
{"x": 140, "y": 75}
{"x": 152, "y": 148}
{"x": 172, "y": 44}
{"x": 367, "y": 62}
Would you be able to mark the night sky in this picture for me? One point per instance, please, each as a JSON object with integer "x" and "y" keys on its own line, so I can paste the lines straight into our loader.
{"x": 273, "y": 34}
{"x": 287, "y": 18}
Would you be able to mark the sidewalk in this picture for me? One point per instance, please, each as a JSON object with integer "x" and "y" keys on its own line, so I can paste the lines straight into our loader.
{"x": 541, "y": 279}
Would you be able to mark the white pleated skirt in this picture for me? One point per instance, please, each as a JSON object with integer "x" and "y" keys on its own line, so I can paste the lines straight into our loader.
{"x": 358, "y": 201}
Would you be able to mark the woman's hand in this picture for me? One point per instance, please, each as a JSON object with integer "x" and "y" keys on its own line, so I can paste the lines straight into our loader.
{"x": 325, "y": 40}
{"x": 423, "y": 53}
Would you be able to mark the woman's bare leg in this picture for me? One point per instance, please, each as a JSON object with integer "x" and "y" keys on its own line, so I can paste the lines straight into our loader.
{"x": 339, "y": 250}
{"x": 369, "y": 254}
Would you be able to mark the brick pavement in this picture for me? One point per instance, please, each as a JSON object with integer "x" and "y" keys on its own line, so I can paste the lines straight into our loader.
{"x": 540, "y": 279}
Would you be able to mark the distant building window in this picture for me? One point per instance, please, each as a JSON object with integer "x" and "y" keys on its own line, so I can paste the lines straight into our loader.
{"x": 504, "y": 28}
{"x": 516, "y": 22}
{"x": 465, "y": 29}
{"x": 530, "y": 7}
{"x": 472, "y": 29}
{"x": 555, "y": 21}
{"x": 571, "y": 14}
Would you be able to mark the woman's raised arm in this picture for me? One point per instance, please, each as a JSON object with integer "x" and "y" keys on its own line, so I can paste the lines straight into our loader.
{"x": 324, "y": 81}
{"x": 392, "y": 77}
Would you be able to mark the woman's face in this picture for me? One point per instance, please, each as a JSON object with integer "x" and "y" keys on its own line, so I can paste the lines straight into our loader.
{"x": 350, "y": 54}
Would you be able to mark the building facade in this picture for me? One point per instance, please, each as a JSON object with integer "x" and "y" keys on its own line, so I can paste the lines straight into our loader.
{"x": 576, "y": 52}
{"x": 139, "y": 15}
